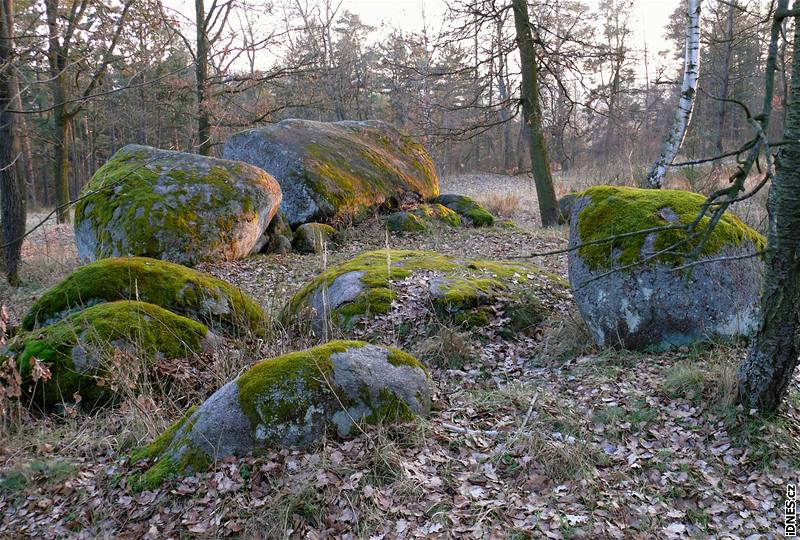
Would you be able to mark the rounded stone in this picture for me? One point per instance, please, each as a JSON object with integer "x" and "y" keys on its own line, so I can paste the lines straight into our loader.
{"x": 174, "y": 206}
{"x": 335, "y": 172}
{"x": 633, "y": 293}
{"x": 294, "y": 400}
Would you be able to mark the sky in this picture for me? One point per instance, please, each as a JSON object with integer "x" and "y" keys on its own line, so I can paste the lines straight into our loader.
{"x": 649, "y": 18}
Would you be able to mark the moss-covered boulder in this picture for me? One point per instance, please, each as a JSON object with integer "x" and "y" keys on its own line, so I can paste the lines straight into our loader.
{"x": 565, "y": 205}
{"x": 469, "y": 292}
{"x": 292, "y": 400}
{"x": 175, "y": 206}
{"x": 651, "y": 305}
{"x": 279, "y": 235}
{"x": 467, "y": 208}
{"x": 420, "y": 218}
{"x": 186, "y": 292}
{"x": 82, "y": 351}
{"x": 332, "y": 172}
{"x": 312, "y": 237}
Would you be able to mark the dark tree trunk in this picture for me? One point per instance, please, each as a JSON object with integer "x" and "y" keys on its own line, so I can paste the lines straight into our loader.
{"x": 767, "y": 371}
{"x": 725, "y": 83}
{"x": 12, "y": 193}
{"x": 532, "y": 116}
{"x": 201, "y": 76}
{"x": 61, "y": 118}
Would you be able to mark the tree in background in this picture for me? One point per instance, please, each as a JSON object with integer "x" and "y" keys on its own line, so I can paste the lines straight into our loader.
{"x": 74, "y": 40}
{"x": 532, "y": 116}
{"x": 12, "y": 191}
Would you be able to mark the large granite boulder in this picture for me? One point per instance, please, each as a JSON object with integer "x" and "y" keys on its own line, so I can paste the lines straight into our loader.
{"x": 186, "y": 292}
{"x": 652, "y": 305}
{"x": 292, "y": 400}
{"x": 334, "y": 172}
{"x": 513, "y": 296}
{"x": 102, "y": 349}
{"x": 175, "y": 206}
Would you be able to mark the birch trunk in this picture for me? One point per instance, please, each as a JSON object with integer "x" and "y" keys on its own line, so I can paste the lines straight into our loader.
{"x": 683, "y": 115}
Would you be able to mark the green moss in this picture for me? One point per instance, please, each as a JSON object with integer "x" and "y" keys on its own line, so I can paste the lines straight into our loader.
{"x": 166, "y": 467}
{"x": 390, "y": 408}
{"x": 380, "y": 268}
{"x": 465, "y": 288}
{"x": 468, "y": 208}
{"x": 405, "y": 222}
{"x": 616, "y": 210}
{"x": 171, "y": 286}
{"x": 418, "y": 219}
{"x": 162, "y": 442}
{"x": 281, "y": 377}
{"x": 402, "y": 358}
{"x": 123, "y": 191}
{"x": 311, "y": 237}
{"x": 149, "y": 328}
{"x": 352, "y": 171}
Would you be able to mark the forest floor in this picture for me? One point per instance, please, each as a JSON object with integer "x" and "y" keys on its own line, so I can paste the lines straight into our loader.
{"x": 565, "y": 441}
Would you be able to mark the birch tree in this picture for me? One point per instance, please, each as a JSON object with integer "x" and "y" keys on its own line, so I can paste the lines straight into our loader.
{"x": 683, "y": 115}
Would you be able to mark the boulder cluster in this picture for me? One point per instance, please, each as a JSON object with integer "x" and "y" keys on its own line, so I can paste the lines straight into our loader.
{"x": 279, "y": 188}
{"x": 641, "y": 278}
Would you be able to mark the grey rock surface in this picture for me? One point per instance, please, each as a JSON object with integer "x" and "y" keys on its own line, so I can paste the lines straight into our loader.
{"x": 651, "y": 307}
{"x": 174, "y": 206}
{"x": 335, "y": 171}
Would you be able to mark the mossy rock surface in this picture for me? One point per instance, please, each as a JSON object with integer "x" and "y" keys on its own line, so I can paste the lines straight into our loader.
{"x": 174, "y": 206}
{"x": 335, "y": 172}
{"x": 467, "y": 208}
{"x": 463, "y": 290}
{"x": 312, "y": 237}
{"x": 79, "y": 350}
{"x": 419, "y": 219}
{"x": 645, "y": 303}
{"x": 292, "y": 400}
{"x": 565, "y": 205}
{"x": 186, "y": 292}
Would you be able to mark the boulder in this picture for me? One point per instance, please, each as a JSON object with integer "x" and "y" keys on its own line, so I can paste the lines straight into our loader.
{"x": 651, "y": 306}
{"x": 420, "y": 218}
{"x": 312, "y": 237}
{"x": 335, "y": 172}
{"x": 565, "y": 205}
{"x": 292, "y": 400}
{"x": 174, "y": 206}
{"x": 82, "y": 350}
{"x": 279, "y": 235}
{"x": 470, "y": 293}
{"x": 186, "y": 292}
{"x": 467, "y": 208}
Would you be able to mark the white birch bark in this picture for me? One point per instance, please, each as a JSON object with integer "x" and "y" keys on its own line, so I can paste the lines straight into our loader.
{"x": 683, "y": 115}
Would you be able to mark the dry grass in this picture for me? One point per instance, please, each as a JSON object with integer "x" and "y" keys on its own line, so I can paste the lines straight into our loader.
{"x": 505, "y": 205}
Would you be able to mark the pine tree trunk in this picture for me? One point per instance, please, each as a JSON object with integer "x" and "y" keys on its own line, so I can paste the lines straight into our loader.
{"x": 12, "y": 194}
{"x": 683, "y": 115}
{"x": 61, "y": 119}
{"x": 532, "y": 116}
{"x": 201, "y": 81}
{"x": 724, "y": 85}
{"x": 767, "y": 371}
